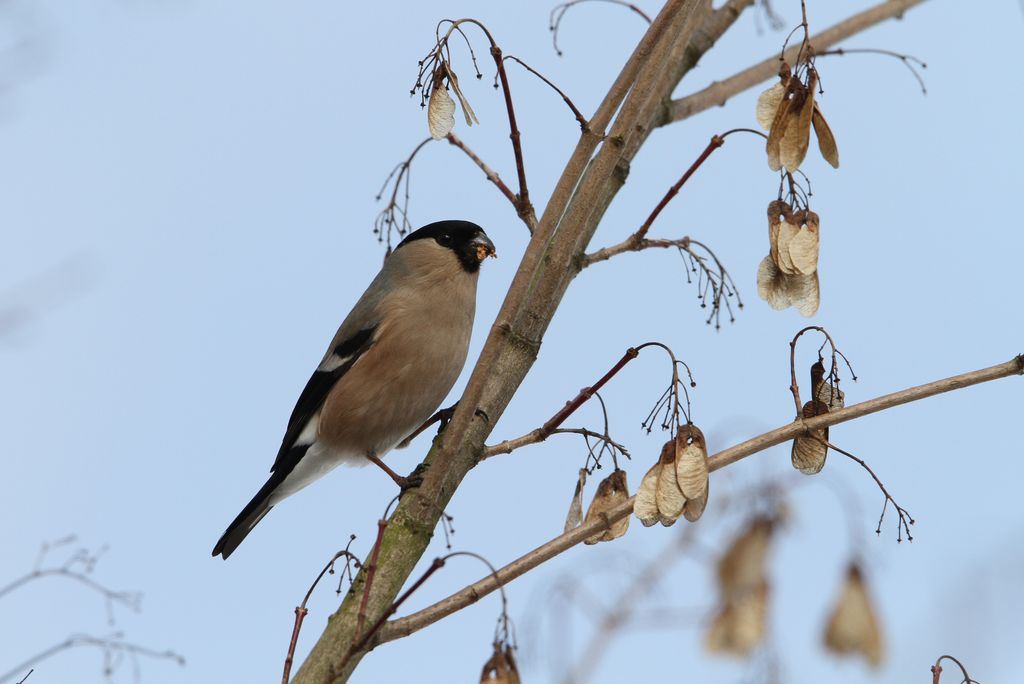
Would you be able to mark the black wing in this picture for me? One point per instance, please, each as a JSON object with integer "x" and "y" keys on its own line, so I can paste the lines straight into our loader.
{"x": 344, "y": 354}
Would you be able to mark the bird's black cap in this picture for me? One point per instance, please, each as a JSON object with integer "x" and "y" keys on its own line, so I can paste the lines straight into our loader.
{"x": 465, "y": 238}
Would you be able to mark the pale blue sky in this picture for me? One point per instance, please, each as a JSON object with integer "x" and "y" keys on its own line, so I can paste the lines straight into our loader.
{"x": 203, "y": 175}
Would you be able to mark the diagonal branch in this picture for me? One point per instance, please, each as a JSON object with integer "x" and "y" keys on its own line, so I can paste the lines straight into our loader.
{"x": 474, "y": 592}
{"x": 720, "y": 91}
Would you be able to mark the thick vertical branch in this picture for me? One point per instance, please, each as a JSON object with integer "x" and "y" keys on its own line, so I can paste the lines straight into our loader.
{"x": 511, "y": 348}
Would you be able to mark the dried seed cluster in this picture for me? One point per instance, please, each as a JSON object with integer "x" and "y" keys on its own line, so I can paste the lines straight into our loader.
{"x": 739, "y": 623}
{"x": 853, "y": 624}
{"x": 809, "y": 451}
{"x": 677, "y": 485}
{"x": 441, "y": 107}
{"x": 612, "y": 491}
{"x": 501, "y": 667}
{"x": 788, "y": 276}
{"x": 788, "y": 111}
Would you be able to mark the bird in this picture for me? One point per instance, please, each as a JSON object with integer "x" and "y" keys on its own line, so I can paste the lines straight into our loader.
{"x": 390, "y": 365}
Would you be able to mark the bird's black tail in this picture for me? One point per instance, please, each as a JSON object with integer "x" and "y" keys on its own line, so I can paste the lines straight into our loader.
{"x": 242, "y": 525}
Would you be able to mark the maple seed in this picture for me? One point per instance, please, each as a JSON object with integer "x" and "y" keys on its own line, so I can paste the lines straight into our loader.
{"x": 575, "y": 514}
{"x": 692, "y": 470}
{"x": 677, "y": 485}
{"x": 741, "y": 568}
{"x": 740, "y": 624}
{"x": 853, "y": 625}
{"x": 826, "y": 392}
{"x": 612, "y": 492}
{"x": 500, "y": 668}
{"x": 788, "y": 276}
{"x": 788, "y": 111}
{"x": 809, "y": 452}
{"x": 441, "y": 108}
{"x": 440, "y": 111}
{"x": 782, "y": 291}
{"x": 467, "y": 111}
{"x": 645, "y": 506}
{"x": 669, "y": 497}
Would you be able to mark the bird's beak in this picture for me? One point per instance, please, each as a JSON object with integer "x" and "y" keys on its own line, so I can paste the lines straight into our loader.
{"x": 484, "y": 247}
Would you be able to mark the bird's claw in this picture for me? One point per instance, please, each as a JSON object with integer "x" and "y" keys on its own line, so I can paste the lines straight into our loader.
{"x": 413, "y": 479}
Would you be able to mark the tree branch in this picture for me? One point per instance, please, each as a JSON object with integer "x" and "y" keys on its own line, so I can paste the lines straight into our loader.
{"x": 474, "y": 592}
{"x": 639, "y": 102}
{"x": 511, "y": 348}
{"x": 630, "y": 245}
{"x": 720, "y": 91}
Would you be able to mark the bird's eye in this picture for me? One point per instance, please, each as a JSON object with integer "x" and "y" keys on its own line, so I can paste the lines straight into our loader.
{"x": 445, "y": 240}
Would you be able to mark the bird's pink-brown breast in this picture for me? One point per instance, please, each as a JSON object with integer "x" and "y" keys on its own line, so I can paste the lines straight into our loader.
{"x": 379, "y": 402}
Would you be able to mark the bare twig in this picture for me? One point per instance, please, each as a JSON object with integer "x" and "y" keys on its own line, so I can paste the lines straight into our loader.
{"x": 371, "y": 572}
{"x": 551, "y": 426}
{"x": 713, "y": 283}
{"x": 301, "y": 611}
{"x": 558, "y": 12}
{"x": 469, "y": 595}
{"x": 716, "y": 142}
{"x": 490, "y": 173}
{"x": 720, "y": 91}
{"x": 633, "y": 241}
{"x": 109, "y": 646}
{"x": 536, "y": 437}
{"x": 905, "y": 519}
{"x": 937, "y": 670}
{"x": 580, "y": 119}
{"x": 439, "y": 57}
{"x": 833, "y": 373}
{"x": 69, "y": 569}
{"x": 395, "y": 215}
{"x": 912, "y": 63}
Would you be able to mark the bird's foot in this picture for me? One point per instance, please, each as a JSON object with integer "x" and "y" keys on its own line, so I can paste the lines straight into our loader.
{"x": 413, "y": 479}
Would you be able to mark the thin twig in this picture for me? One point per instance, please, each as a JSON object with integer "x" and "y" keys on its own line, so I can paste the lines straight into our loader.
{"x": 633, "y": 241}
{"x": 580, "y": 119}
{"x": 490, "y": 173}
{"x": 720, "y": 91}
{"x": 716, "y": 142}
{"x": 833, "y": 373}
{"x": 439, "y": 57}
{"x": 301, "y": 611}
{"x": 558, "y": 12}
{"x": 128, "y": 598}
{"x": 395, "y": 215}
{"x": 358, "y": 646}
{"x": 905, "y": 519}
{"x": 371, "y": 571}
{"x": 550, "y": 427}
{"x": 536, "y": 437}
{"x": 937, "y": 670}
{"x": 717, "y": 279}
{"x": 108, "y": 646}
{"x": 909, "y": 61}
